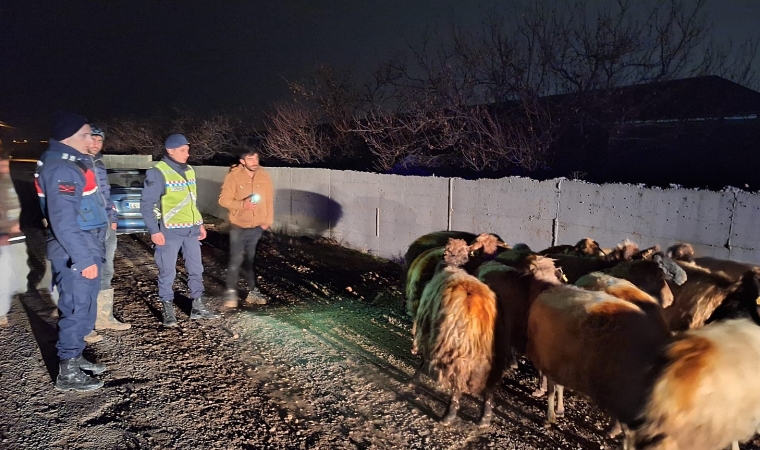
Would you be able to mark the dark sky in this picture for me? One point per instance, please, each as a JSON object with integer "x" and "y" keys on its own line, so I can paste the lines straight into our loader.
{"x": 138, "y": 57}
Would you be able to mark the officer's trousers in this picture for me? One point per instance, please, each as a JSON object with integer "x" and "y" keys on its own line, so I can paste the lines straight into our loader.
{"x": 78, "y": 298}
{"x": 166, "y": 260}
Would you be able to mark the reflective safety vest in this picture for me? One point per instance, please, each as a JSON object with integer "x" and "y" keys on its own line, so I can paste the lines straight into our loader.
{"x": 178, "y": 208}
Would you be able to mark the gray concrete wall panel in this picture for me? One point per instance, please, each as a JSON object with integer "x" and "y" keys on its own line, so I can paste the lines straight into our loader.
{"x": 128, "y": 161}
{"x": 745, "y": 233}
{"x": 281, "y": 179}
{"x": 209, "y": 181}
{"x": 614, "y": 212}
{"x": 410, "y": 207}
{"x": 311, "y": 211}
{"x": 520, "y": 210}
{"x": 358, "y": 195}
{"x": 382, "y": 214}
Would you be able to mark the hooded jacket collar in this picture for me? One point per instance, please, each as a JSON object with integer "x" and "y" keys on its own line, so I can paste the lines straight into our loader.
{"x": 179, "y": 168}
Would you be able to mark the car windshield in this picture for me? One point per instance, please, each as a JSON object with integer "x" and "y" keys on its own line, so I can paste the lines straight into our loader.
{"x": 126, "y": 178}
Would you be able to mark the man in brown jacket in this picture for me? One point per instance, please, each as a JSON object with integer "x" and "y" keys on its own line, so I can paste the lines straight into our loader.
{"x": 248, "y": 194}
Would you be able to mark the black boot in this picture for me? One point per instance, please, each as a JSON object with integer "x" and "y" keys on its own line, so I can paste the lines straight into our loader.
{"x": 93, "y": 368}
{"x": 170, "y": 320}
{"x": 200, "y": 311}
{"x": 71, "y": 377}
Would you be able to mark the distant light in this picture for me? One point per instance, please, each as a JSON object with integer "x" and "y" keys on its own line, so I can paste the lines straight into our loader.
{"x": 44, "y": 142}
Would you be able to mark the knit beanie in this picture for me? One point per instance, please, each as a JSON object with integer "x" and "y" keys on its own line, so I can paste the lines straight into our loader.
{"x": 65, "y": 124}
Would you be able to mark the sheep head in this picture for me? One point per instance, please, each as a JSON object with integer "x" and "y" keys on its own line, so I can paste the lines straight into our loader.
{"x": 669, "y": 267}
{"x": 489, "y": 244}
{"x": 681, "y": 252}
{"x": 456, "y": 252}
{"x": 588, "y": 247}
{"x": 624, "y": 251}
{"x": 647, "y": 253}
{"x": 542, "y": 268}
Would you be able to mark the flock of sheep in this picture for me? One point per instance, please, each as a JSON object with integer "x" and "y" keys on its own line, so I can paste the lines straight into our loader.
{"x": 667, "y": 344}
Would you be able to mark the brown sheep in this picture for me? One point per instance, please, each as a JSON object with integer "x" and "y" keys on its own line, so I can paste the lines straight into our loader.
{"x": 512, "y": 289}
{"x": 697, "y": 299}
{"x": 734, "y": 269}
{"x": 648, "y": 269}
{"x": 596, "y": 343}
{"x": 584, "y": 247}
{"x": 454, "y": 335}
{"x": 651, "y": 275}
{"x": 681, "y": 252}
{"x": 624, "y": 251}
{"x": 575, "y": 266}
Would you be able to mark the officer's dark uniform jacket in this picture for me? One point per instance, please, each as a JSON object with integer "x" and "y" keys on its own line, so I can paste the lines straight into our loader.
{"x": 68, "y": 191}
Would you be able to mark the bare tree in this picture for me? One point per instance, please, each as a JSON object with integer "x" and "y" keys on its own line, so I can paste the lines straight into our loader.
{"x": 211, "y": 136}
{"x": 295, "y": 135}
{"x": 133, "y": 136}
{"x": 208, "y": 136}
{"x": 500, "y": 97}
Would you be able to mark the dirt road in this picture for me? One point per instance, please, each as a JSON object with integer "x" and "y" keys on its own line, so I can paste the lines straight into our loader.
{"x": 325, "y": 365}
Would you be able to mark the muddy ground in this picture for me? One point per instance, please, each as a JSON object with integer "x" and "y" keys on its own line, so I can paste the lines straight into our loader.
{"x": 325, "y": 365}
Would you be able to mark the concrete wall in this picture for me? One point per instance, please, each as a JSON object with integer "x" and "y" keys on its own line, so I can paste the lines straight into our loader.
{"x": 128, "y": 161}
{"x": 382, "y": 214}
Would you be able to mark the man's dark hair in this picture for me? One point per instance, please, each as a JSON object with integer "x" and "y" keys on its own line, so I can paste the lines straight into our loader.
{"x": 242, "y": 152}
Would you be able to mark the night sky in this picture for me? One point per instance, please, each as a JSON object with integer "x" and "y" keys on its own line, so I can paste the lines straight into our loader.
{"x": 111, "y": 59}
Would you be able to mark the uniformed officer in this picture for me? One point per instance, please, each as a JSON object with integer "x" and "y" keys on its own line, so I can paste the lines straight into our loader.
{"x": 76, "y": 217}
{"x": 171, "y": 215}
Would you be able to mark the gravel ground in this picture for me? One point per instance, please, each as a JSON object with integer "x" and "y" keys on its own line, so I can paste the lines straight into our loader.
{"x": 325, "y": 365}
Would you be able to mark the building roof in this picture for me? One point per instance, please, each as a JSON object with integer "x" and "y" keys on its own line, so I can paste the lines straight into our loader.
{"x": 697, "y": 98}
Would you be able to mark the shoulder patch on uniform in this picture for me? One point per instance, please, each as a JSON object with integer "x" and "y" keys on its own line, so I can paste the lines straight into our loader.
{"x": 149, "y": 182}
{"x": 67, "y": 188}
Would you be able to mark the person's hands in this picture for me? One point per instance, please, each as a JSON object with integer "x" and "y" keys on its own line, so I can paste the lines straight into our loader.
{"x": 158, "y": 238}
{"x": 203, "y": 233}
{"x": 248, "y": 206}
{"x": 4, "y": 240}
{"x": 265, "y": 227}
{"x": 113, "y": 226}
{"x": 90, "y": 272}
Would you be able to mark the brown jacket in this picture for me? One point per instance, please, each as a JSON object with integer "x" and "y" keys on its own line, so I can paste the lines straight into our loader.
{"x": 238, "y": 187}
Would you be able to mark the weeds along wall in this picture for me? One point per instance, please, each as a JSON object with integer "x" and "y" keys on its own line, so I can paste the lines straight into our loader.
{"x": 383, "y": 214}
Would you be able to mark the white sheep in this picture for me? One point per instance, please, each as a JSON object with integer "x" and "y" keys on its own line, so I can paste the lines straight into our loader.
{"x": 702, "y": 397}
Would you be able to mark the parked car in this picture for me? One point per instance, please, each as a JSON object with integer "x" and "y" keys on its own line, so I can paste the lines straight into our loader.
{"x": 126, "y": 190}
